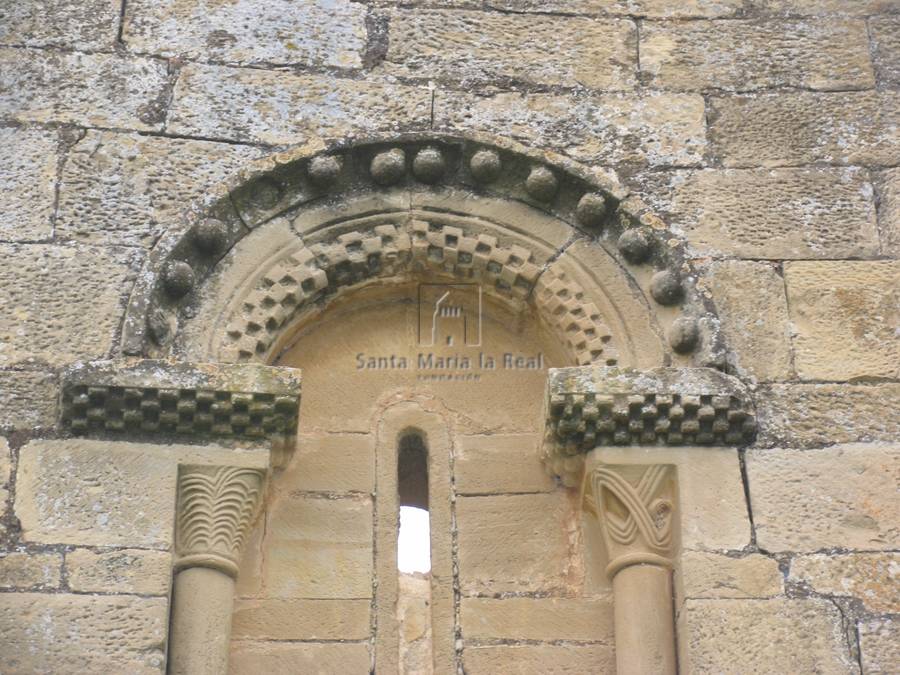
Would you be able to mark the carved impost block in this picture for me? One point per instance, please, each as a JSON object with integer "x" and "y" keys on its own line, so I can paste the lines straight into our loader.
{"x": 216, "y": 506}
{"x": 589, "y": 407}
{"x": 142, "y": 398}
{"x": 635, "y": 508}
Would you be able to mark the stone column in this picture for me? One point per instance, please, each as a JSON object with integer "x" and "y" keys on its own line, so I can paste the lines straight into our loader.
{"x": 635, "y": 509}
{"x": 216, "y": 506}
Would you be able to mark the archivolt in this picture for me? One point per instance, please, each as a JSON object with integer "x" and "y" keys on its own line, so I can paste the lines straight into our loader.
{"x": 533, "y": 229}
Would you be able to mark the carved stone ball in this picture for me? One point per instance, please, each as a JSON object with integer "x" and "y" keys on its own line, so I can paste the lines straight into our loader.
{"x": 429, "y": 165}
{"x": 684, "y": 335}
{"x": 178, "y": 279}
{"x": 389, "y": 166}
{"x": 634, "y": 245}
{"x": 591, "y": 209}
{"x": 541, "y": 184}
{"x": 485, "y": 166}
{"x": 266, "y": 193}
{"x": 666, "y": 288}
{"x": 324, "y": 171}
{"x": 210, "y": 235}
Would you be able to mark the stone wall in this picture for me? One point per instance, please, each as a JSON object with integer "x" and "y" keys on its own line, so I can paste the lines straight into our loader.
{"x": 766, "y": 131}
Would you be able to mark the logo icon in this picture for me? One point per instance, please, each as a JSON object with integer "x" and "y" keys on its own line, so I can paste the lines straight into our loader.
{"x": 449, "y": 315}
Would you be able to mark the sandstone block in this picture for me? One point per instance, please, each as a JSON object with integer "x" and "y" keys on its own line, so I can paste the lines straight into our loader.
{"x": 540, "y": 659}
{"x": 813, "y": 415}
{"x": 78, "y": 88}
{"x": 311, "y": 33}
{"x": 61, "y": 303}
{"x": 124, "y": 189}
{"x": 85, "y": 25}
{"x": 513, "y": 542}
{"x": 843, "y": 496}
{"x": 27, "y": 399}
{"x": 879, "y": 644}
{"x": 871, "y": 577}
{"x": 124, "y": 571}
{"x": 666, "y": 129}
{"x": 5, "y": 473}
{"x": 753, "y": 310}
{"x": 318, "y": 547}
{"x": 467, "y": 46}
{"x": 846, "y": 318}
{"x": 82, "y": 633}
{"x": 281, "y": 619}
{"x": 332, "y": 463}
{"x": 746, "y": 55}
{"x": 763, "y": 636}
{"x": 778, "y": 213}
{"x": 537, "y": 619}
{"x": 709, "y": 575}
{"x": 790, "y": 128}
{"x": 104, "y": 493}
{"x": 28, "y": 160}
{"x": 826, "y": 7}
{"x": 280, "y": 107}
{"x": 30, "y": 571}
{"x": 889, "y": 212}
{"x": 499, "y": 463}
{"x": 669, "y": 9}
{"x": 886, "y": 49}
{"x": 249, "y": 658}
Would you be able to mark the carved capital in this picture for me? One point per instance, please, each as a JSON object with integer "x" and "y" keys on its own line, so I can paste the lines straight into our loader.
{"x": 635, "y": 508}
{"x": 216, "y": 506}
{"x": 142, "y": 397}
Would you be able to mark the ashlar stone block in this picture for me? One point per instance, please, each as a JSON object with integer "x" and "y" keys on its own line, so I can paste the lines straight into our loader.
{"x": 27, "y": 399}
{"x": 843, "y": 496}
{"x": 888, "y": 189}
{"x": 298, "y": 619}
{"x": 538, "y": 659}
{"x": 119, "y": 571}
{"x": 66, "y": 633}
{"x": 711, "y": 575}
{"x": 467, "y": 46}
{"x": 871, "y": 577}
{"x": 542, "y": 619}
{"x": 886, "y": 49}
{"x": 826, "y": 7}
{"x": 879, "y": 645}
{"x": 658, "y": 9}
{"x": 746, "y": 55}
{"x": 84, "y": 25}
{"x": 28, "y": 159}
{"x": 846, "y": 318}
{"x": 500, "y": 463}
{"x": 251, "y": 658}
{"x": 30, "y": 571}
{"x": 332, "y": 462}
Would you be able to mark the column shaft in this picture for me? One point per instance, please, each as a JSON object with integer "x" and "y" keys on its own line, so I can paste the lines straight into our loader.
{"x": 644, "y": 622}
{"x": 202, "y": 600}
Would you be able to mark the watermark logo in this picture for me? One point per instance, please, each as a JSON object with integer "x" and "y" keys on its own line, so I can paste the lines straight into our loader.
{"x": 449, "y": 315}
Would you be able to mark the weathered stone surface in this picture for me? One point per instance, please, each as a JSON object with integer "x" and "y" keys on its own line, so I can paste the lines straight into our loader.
{"x": 778, "y": 213}
{"x": 540, "y": 659}
{"x": 709, "y": 575}
{"x": 249, "y": 658}
{"x": 846, "y": 318}
{"x": 513, "y": 543}
{"x": 309, "y": 33}
{"x": 889, "y": 211}
{"x": 499, "y": 463}
{"x": 763, "y": 636}
{"x": 125, "y": 571}
{"x": 752, "y": 307}
{"x": 125, "y": 189}
{"x": 60, "y": 303}
{"x": 843, "y": 496}
{"x": 886, "y": 49}
{"x": 27, "y": 399}
{"x": 790, "y": 128}
{"x": 871, "y": 577}
{"x": 91, "y": 89}
{"x": 814, "y": 415}
{"x": 280, "y": 107}
{"x": 650, "y": 8}
{"x": 317, "y": 547}
{"x": 332, "y": 463}
{"x": 28, "y": 161}
{"x": 30, "y": 571}
{"x": 82, "y": 633}
{"x": 537, "y": 619}
{"x": 879, "y": 644}
{"x": 89, "y": 24}
{"x": 823, "y": 7}
{"x": 747, "y": 55}
{"x": 654, "y": 129}
{"x": 103, "y": 493}
{"x": 482, "y": 46}
{"x": 280, "y": 619}
{"x": 5, "y": 472}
